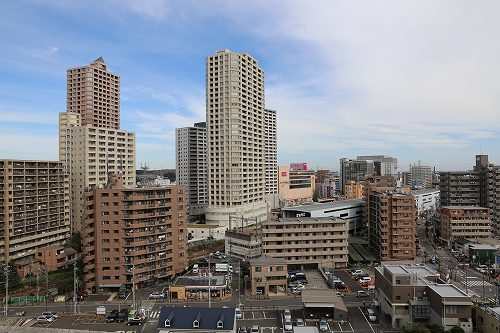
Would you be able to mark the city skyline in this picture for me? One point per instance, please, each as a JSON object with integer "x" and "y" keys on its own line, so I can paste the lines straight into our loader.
{"x": 393, "y": 78}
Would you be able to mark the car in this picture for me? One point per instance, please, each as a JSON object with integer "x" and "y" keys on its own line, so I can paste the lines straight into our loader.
{"x": 137, "y": 320}
{"x": 50, "y": 314}
{"x": 112, "y": 316}
{"x": 362, "y": 293}
{"x": 356, "y": 272}
{"x": 340, "y": 285}
{"x": 238, "y": 313}
{"x": 242, "y": 329}
{"x": 371, "y": 315}
{"x": 365, "y": 284}
{"x": 21, "y": 313}
{"x": 156, "y": 295}
{"x": 122, "y": 316}
{"x": 288, "y": 326}
{"x": 299, "y": 322}
{"x": 255, "y": 329}
{"x": 296, "y": 291}
{"x": 44, "y": 320}
{"x": 287, "y": 315}
{"x": 323, "y": 325}
{"x": 339, "y": 294}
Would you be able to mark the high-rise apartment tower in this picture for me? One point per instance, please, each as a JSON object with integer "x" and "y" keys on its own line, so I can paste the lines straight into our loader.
{"x": 271, "y": 151}
{"x": 94, "y": 93}
{"x": 235, "y": 137}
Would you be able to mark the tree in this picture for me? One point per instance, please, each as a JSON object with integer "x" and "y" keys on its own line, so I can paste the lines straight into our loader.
{"x": 75, "y": 242}
{"x": 435, "y": 328}
{"x": 457, "y": 329}
{"x": 14, "y": 280}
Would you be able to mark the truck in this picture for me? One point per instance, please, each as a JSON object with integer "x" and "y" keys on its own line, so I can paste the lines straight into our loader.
{"x": 223, "y": 268}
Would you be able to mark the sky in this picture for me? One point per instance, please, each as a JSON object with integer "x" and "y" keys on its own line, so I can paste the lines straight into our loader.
{"x": 416, "y": 80}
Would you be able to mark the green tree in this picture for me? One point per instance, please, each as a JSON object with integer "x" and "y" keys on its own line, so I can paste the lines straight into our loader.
{"x": 457, "y": 329}
{"x": 435, "y": 328}
{"x": 14, "y": 280}
{"x": 75, "y": 242}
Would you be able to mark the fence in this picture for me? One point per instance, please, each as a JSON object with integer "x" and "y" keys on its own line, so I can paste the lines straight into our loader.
{"x": 26, "y": 300}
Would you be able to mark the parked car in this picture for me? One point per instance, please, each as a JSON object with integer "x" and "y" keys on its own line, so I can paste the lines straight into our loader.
{"x": 339, "y": 294}
{"x": 299, "y": 322}
{"x": 365, "y": 284}
{"x": 242, "y": 329}
{"x": 112, "y": 316}
{"x": 296, "y": 291}
{"x": 50, "y": 314}
{"x": 255, "y": 329}
{"x": 371, "y": 315}
{"x": 21, "y": 313}
{"x": 287, "y": 315}
{"x": 122, "y": 316}
{"x": 340, "y": 285}
{"x": 44, "y": 320}
{"x": 323, "y": 325}
{"x": 362, "y": 293}
{"x": 156, "y": 295}
{"x": 288, "y": 326}
{"x": 356, "y": 272}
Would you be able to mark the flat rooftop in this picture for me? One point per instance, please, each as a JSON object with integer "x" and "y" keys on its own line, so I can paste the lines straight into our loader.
{"x": 425, "y": 191}
{"x": 200, "y": 281}
{"x": 420, "y": 270}
{"x": 447, "y": 290}
{"x": 336, "y": 205}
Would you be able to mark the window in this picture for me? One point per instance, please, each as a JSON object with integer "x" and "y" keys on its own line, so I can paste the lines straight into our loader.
{"x": 258, "y": 269}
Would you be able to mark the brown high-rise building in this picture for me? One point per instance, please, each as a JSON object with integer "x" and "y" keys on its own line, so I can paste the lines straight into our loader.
{"x": 94, "y": 93}
{"x": 391, "y": 223}
{"x": 138, "y": 233}
{"x": 34, "y": 207}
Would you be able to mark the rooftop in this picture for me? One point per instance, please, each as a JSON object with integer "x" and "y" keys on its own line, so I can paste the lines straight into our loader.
{"x": 267, "y": 260}
{"x": 200, "y": 281}
{"x": 464, "y": 207}
{"x": 341, "y": 204}
{"x": 212, "y": 319}
{"x": 425, "y": 191}
{"x": 447, "y": 290}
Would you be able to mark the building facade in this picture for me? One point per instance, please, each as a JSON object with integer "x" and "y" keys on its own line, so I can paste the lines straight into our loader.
{"x": 426, "y": 200}
{"x": 353, "y": 190}
{"x": 91, "y": 153}
{"x": 470, "y": 222}
{"x": 34, "y": 209}
{"x": 244, "y": 243}
{"x": 391, "y": 224}
{"x": 410, "y": 296}
{"x": 94, "y": 93}
{"x": 271, "y": 151}
{"x": 133, "y": 234}
{"x": 295, "y": 186}
{"x": 268, "y": 276}
{"x": 420, "y": 176}
{"x": 307, "y": 242}
{"x": 191, "y": 164}
{"x": 235, "y": 137}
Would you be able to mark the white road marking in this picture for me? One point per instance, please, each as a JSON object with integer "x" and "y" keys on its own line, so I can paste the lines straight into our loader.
{"x": 264, "y": 314}
{"x": 366, "y": 319}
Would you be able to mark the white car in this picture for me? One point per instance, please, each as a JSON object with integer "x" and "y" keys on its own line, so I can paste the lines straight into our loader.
{"x": 299, "y": 322}
{"x": 156, "y": 295}
{"x": 323, "y": 325}
{"x": 339, "y": 294}
{"x": 287, "y": 315}
{"x": 288, "y": 326}
{"x": 238, "y": 313}
{"x": 50, "y": 314}
{"x": 371, "y": 315}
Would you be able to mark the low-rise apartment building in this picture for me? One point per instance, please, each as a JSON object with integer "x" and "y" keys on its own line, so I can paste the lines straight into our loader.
{"x": 268, "y": 276}
{"x": 411, "y": 295}
{"x": 244, "y": 243}
{"x": 135, "y": 234}
{"x": 34, "y": 207}
{"x": 307, "y": 242}
{"x": 55, "y": 257}
{"x": 470, "y": 222}
{"x": 487, "y": 319}
{"x": 353, "y": 190}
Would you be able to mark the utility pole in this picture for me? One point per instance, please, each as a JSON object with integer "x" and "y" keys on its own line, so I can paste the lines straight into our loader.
{"x": 6, "y": 272}
{"x": 133, "y": 286}
{"x": 46, "y": 286}
{"x": 74, "y": 287}
{"x": 37, "y": 285}
{"x": 209, "y": 283}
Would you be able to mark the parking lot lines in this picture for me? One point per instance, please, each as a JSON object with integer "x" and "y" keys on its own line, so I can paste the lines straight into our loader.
{"x": 344, "y": 328}
{"x": 364, "y": 316}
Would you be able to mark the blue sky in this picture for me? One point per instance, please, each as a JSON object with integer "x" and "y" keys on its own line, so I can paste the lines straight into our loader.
{"x": 417, "y": 80}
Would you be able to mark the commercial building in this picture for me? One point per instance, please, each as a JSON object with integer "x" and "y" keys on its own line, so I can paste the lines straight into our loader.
{"x": 91, "y": 153}
{"x": 420, "y": 176}
{"x": 427, "y": 200}
{"x": 133, "y": 234}
{"x": 268, "y": 276}
{"x": 307, "y": 242}
{"x": 94, "y": 93}
{"x": 271, "y": 151}
{"x": 391, "y": 223}
{"x": 295, "y": 186}
{"x": 34, "y": 207}
{"x": 235, "y": 137}
{"x": 349, "y": 210}
{"x": 410, "y": 295}
{"x": 324, "y": 303}
{"x": 470, "y": 222}
{"x": 191, "y": 165}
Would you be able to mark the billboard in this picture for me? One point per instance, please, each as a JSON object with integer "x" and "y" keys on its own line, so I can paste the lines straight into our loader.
{"x": 298, "y": 166}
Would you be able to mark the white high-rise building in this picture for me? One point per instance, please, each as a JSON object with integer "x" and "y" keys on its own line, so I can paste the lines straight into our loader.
{"x": 271, "y": 151}
{"x": 235, "y": 138}
{"x": 191, "y": 164}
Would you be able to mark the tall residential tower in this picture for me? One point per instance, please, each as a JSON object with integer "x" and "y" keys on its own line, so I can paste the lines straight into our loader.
{"x": 235, "y": 138}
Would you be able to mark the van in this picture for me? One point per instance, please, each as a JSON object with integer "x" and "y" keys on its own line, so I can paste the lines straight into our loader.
{"x": 195, "y": 269}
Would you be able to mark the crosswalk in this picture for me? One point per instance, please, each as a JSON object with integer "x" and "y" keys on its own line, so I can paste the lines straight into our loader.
{"x": 476, "y": 283}
{"x": 154, "y": 314}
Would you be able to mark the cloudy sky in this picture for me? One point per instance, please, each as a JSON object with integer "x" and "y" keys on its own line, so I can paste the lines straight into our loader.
{"x": 417, "y": 80}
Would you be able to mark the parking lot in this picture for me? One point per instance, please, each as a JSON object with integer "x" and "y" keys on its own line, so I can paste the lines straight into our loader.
{"x": 268, "y": 320}
{"x": 315, "y": 280}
